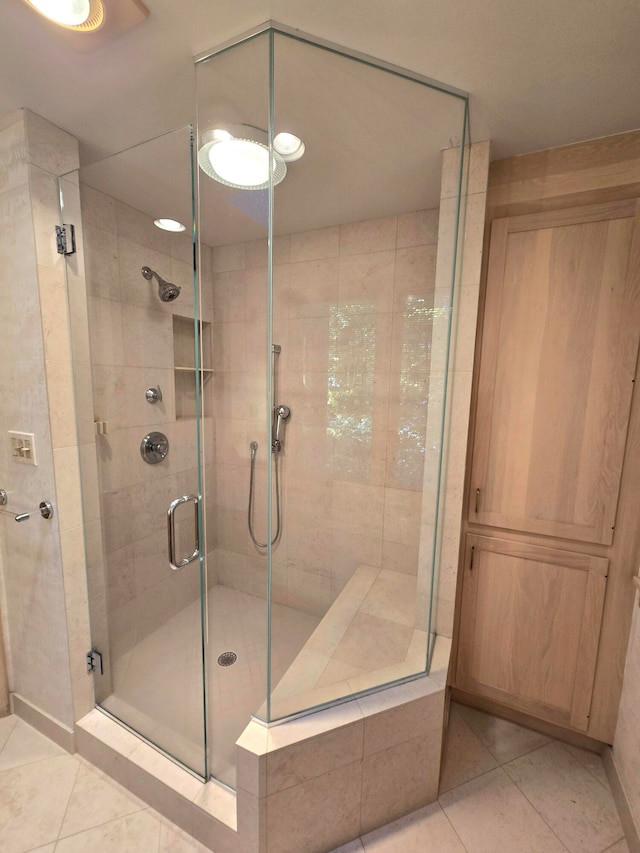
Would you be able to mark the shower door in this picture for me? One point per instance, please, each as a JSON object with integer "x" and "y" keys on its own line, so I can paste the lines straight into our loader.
{"x": 139, "y": 385}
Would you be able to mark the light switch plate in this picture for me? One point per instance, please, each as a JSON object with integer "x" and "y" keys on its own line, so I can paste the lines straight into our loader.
{"x": 23, "y": 447}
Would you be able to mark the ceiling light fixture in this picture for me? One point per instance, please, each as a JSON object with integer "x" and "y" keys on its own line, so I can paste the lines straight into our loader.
{"x": 238, "y": 156}
{"x": 289, "y": 147}
{"x": 169, "y": 225}
{"x": 79, "y": 15}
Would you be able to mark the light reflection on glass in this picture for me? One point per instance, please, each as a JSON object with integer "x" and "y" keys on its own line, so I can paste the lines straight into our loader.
{"x": 413, "y": 391}
{"x": 352, "y": 353}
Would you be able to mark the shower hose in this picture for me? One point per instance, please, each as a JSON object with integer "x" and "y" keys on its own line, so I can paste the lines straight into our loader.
{"x": 254, "y": 450}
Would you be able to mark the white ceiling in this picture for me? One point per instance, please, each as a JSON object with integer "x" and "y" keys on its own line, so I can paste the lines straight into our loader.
{"x": 539, "y": 74}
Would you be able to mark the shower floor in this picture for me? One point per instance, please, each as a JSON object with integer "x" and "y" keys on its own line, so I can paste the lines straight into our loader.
{"x": 157, "y": 685}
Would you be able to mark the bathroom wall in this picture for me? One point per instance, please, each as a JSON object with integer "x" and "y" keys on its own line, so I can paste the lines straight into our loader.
{"x": 353, "y": 309}
{"x": 626, "y": 746}
{"x": 44, "y": 608}
{"x": 137, "y": 341}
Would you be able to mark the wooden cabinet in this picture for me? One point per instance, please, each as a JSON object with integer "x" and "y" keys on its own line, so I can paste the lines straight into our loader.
{"x": 558, "y": 358}
{"x": 547, "y": 547}
{"x": 529, "y": 627}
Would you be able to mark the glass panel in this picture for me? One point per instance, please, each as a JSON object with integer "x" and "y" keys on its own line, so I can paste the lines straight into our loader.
{"x": 232, "y": 90}
{"x": 143, "y": 380}
{"x": 363, "y": 372}
{"x": 332, "y": 299}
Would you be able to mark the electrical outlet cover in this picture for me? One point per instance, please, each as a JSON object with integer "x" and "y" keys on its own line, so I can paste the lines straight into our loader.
{"x": 23, "y": 447}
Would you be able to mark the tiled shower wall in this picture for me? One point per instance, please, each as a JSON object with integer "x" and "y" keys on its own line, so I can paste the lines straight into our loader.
{"x": 134, "y": 347}
{"x": 353, "y": 310}
{"x": 44, "y": 576}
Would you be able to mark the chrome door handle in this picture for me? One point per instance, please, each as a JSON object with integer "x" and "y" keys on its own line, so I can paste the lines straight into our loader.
{"x": 171, "y": 531}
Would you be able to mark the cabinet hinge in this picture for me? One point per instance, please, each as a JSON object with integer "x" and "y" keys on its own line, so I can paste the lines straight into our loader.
{"x": 66, "y": 239}
{"x": 94, "y": 662}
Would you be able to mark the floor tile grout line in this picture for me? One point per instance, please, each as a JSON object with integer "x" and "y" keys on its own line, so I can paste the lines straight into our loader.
{"x": 466, "y": 782}
{"x": 560, "y": 841}
{"x": 103, "y": 823}
{"x": 446, "y": 816}
{"x": 66, "y": 809}
{"x": 522, "y": 754}
{"x": 15, "y": 723}
{"x": 588, "y": 769}
{"x": 35, "y": 761}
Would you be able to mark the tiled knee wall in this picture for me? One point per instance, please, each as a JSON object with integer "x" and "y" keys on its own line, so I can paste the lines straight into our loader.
{"x": 324, "y": 779}
{"x": 305, "y": 786}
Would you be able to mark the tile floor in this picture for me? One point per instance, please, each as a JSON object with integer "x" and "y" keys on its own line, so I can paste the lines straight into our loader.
{"x": 504, "y": 788}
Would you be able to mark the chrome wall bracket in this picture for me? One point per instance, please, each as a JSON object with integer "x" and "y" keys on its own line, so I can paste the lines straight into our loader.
{"x": 45, "y": 508}
{"x": 94, "y": 662}
{"x": 66, "y": 239}
{"x": 153, "y": 395}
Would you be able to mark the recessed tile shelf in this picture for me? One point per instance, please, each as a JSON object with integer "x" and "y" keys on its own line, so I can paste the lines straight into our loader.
{"x": 184, "y": 363}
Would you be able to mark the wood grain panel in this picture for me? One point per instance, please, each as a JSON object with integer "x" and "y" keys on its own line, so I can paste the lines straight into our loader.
{"x": 592, "y": 167}
{"x": 590, "y": 174}
{"x": 554, "y": 390}
{"x": 530, "y": 622}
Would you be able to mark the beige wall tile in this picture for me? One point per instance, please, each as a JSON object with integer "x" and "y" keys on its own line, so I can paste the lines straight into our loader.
{"x": 415, "y": 271}
{"x": 294, "y": 822}
{"x": 358, "y": 508}
{"x": 417, "y": 229}
{"x": 310, "y": 245}
{"x": 372, "y": 235}
{"x": 102, "y": 268}
{"x": 399, "y": 780}
{"x": 367, "y": 280}
{"x": 386, "y": 728}
{"x": 67, "y": 470}
{"x": 402, "y": 516}
{"x": 308, "y": 289}
{"x": 13, "y": 171}
{"x": 98, "y": 209}
{"x": 49, "y": 147}
{"x": 295, "y": 764}
{"x": 139, "y": 227}
{"x": 226, "y": 258}
{"x": 106, "y": 332}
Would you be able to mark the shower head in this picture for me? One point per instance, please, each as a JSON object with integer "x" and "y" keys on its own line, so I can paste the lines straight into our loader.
{"x": 166, "y": 291}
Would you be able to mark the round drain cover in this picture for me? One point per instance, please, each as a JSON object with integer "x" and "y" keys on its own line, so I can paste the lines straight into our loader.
{"x": 227, "y": 658}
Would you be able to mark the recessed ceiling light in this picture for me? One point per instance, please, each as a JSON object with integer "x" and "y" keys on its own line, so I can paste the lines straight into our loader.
{"x": 169, "y": 224}
{"x": 238, "y": 156}
{"x": 81, "y": 15}
{"x": 290, "y": 147}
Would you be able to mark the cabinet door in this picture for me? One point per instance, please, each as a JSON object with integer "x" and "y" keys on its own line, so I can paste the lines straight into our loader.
{"x": 559, "y": 349}
{"x": 529, "y": 627}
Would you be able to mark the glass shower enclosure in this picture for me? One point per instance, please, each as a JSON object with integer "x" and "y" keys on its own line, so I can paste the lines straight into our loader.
{"x": 282, "y": 555}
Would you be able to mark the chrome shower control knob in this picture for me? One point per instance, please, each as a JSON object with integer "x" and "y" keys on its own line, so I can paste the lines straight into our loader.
{"x": 154, "y": 447}
{"x": 153, "y": 395}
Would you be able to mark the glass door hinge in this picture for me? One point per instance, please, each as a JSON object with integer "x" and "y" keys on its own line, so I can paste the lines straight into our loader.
{"x": 66, "y": 239}
{"x": 94, "y": 662}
